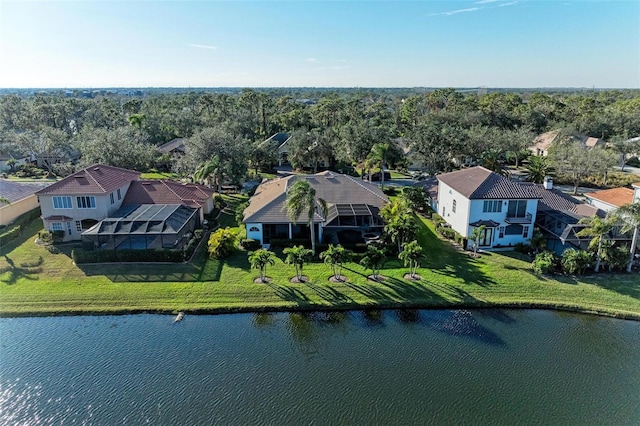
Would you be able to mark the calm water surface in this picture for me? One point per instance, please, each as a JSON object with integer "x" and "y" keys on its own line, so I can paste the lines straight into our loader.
{"x": 380, "y": 367}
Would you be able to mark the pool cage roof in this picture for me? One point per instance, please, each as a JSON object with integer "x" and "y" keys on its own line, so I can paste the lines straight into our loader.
{"x": 144, "y": 219}
{"x": 350, "y": 210}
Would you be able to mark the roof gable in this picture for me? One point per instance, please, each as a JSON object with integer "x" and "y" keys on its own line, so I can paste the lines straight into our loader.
{"x": 481, "y": 183}
{"x": 95, "y": 179}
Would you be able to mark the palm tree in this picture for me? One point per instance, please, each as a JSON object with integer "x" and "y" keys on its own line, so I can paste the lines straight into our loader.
{"x": 336, "y": 256}
{"x": 259, "y": 259}
{"x": 411, "y": 256}
{"x": 537, "y": 168}
{"x": 630, "y": 216}
{"x": 210, "y": 172}
{"x": 476, "y": 234}
{"x": 598, "y": 229}
{"x": 378, "y": 155}
{"x": 297, "y": 256}
{"x": 374, "y": 260}
{"x": 301, "y": 197}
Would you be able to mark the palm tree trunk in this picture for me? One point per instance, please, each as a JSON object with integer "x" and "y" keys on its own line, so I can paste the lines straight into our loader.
{"x": 598, "y": 254}
{"x": 634, "y": 243}
{"x": 313, "y": 237}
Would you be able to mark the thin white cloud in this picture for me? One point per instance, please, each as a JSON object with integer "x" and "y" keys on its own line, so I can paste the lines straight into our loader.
{"x": 486, "y": 1}
{"x": 203, "y": 46}
{"x": 343, "y": 60}
{"x": 455, "y": 12}
{"x": 312, "y": 60}
{"x": 511, "y": 3}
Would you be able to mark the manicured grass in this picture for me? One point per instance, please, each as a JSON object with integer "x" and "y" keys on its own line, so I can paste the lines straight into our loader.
{"x": 154, "y": 174}
{"x": 34, "y": 281}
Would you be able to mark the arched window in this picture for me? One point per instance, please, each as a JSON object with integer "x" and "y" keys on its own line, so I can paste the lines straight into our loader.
{"x": 254, "y": 229}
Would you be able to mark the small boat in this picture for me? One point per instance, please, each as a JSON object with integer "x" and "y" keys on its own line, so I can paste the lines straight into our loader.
{"x": 179, "y": 317}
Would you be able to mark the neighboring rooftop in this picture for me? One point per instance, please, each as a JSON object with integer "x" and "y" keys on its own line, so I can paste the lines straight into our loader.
{"x": 174, "y": 145}
{"x": 167, "y": 192}
{"x": 556, "y": 200}
{"x": 268, "y": 203}
{"x": 615, "y": 197}
{"x": 16, "y": 191}
{"x": 480, "y": 183}
{"x": 95, "y": 179}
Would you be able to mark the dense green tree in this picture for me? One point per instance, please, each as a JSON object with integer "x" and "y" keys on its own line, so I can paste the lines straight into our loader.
{"x": 598, "y": 229}
{"x": 629, "y": 214}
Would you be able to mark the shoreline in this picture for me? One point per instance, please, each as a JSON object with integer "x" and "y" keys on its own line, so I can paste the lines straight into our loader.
{"x": 323, "y": 308}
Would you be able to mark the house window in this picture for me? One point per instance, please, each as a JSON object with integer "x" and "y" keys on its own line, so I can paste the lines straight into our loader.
{"x": 525, "y": 231}
{"x": 112, "y": 199}
{"x": 69, "y": 227}
{"x": 62, "y": 202}
{"x": 56, "y": 226}
{"x": 453, "y": 207}
{"x": 517, "y": 208}
{"x": 501, "y": 232}
{"x": 254, "y": 229}
{"x": 492, "y": 206}
{"x": 86, "y": 202}
{"x": 513, "y": 229}
{"x": 119, "y": 196}
{"x": 78, "y": 226}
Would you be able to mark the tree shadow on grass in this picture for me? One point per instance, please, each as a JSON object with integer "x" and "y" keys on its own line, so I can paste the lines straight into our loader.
{"x": 289, "y": 294}
{"x": 329, "y": 293}
{"x": 26, "y": 270}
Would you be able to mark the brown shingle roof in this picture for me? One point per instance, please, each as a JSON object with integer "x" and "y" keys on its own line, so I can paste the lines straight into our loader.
{"x": 268, "y": 203}
{"x": 96, "y": 179}
{"x": 555, "y": 200}
{"x": 167, "y": 192}
{"x": 480, "y": 183}
{"x": 616, "y": 196}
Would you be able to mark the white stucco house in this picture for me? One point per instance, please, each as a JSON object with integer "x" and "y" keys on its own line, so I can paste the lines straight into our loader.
{"x": 476, "y": 196}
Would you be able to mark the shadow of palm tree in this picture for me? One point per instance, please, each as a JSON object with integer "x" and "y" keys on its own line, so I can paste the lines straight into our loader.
{"x": 289, "y": 294}
{"x": 27, "y": 270}
{"x": 329, "y": 293}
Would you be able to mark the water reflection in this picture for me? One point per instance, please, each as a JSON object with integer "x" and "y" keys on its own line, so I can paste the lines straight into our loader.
{"x": 463, "y": 324}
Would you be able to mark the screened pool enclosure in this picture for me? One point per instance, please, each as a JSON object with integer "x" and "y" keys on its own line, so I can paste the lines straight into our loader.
{"x": 144, "y": 226}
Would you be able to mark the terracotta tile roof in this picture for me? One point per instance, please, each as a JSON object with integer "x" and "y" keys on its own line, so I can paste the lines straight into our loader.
{"x": 16, "y": 191}
{"x": 615, "y": 197}
{"x": 480, "y": 183}
{"x": 268, "y": 203}
{"x": 167, "y": 192}
{"x": 636, "y": 185}
{"x": 95, "y": 179}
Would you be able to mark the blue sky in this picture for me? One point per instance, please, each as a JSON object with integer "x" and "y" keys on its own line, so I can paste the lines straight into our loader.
{"x": 494, "y": 43}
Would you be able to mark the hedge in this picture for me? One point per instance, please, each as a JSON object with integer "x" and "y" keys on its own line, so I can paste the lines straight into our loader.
{"x": 11, "y": 234}
{"x": 104, "y": 256}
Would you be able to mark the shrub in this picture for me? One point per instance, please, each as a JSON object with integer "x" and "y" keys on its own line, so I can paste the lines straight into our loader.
{"x": 575, "y": 261}
{"x": 57, "y": 236}
{"x": 240, "y": 211}
{"x": 222, "y": 242}
{"x": 522, "y": 248}
{"x": 286, "y": 242}
{"x": 46, "y": 237}
{"x": 390, "y": 190}
{"x": 416, "y": 197}
{"x": 437, "y": 219}
{"x": 545, "y": 263}
{"x": 447, "y": 232}
{"x": 193, "y": 243}
{"x": 250, "y": 244}
{"x": 9, "y": 235}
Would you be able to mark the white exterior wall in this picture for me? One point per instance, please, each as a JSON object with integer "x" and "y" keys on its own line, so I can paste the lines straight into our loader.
{"x": 476, "y": 214}
{"x": 103, "y": 209}
{"x": 600, "y": 204}
{"x": 459, "y": 220}
{"x": 254, "y": 235}
{"x": 636, "y": 193}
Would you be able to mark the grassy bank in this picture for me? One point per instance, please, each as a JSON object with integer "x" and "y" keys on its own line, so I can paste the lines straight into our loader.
{"x": 34, "y": 281}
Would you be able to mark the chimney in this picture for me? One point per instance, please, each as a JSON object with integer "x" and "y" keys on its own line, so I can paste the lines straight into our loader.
{"x": 548, "y": 182}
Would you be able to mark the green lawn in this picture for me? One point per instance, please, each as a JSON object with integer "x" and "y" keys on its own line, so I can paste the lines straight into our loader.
{"x": 35, "y": 281}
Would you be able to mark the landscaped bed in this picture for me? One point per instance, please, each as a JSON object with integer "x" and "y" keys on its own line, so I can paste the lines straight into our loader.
{"x": 35, "y": 281}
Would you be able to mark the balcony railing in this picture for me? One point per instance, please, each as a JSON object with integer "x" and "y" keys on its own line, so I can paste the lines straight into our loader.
{"x": 527, "y": 218}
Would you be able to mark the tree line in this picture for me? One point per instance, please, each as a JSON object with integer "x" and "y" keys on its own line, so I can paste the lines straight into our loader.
{"x": 441, "y": 127}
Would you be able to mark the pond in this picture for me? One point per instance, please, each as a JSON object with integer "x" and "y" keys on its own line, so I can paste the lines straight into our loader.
{"x": 375, "y": 367}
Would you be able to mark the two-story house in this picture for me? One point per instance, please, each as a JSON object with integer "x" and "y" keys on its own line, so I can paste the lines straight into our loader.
{"x": 475, "y": 197}
{"x": 80, "y": 200}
